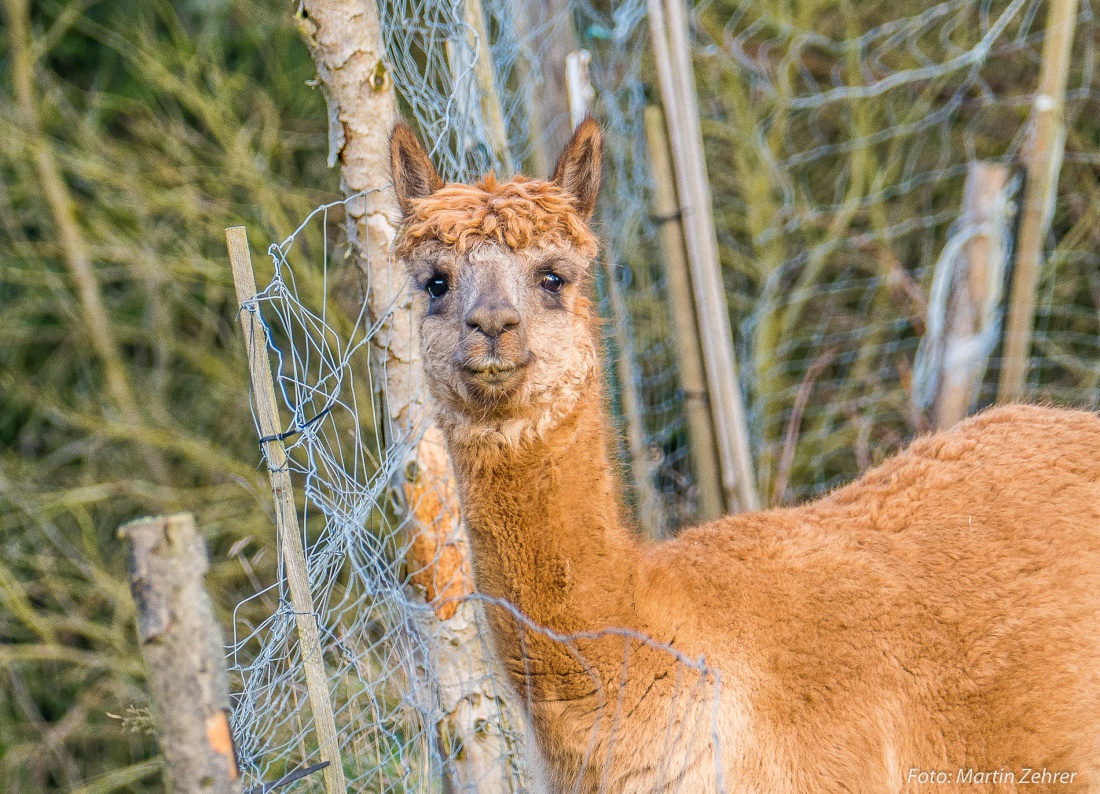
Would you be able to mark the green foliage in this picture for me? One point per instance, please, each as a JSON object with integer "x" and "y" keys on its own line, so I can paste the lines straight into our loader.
{"x": 167, "y": 123}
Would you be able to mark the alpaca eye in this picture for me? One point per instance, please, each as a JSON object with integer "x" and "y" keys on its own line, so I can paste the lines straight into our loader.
{"x": 437, "y": 286}
{"x": 552, "y": 282}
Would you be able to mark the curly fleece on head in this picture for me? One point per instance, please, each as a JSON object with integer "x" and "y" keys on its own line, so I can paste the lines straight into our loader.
{"x": 520, "y": 213}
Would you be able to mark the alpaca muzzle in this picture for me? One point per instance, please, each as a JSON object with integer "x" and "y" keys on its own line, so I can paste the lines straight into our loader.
{"x": 494, "y": 349}
{"x": 494, "y": 370}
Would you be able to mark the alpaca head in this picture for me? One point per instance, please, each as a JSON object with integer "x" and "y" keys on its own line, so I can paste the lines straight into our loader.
{"x": 500, "y": 272}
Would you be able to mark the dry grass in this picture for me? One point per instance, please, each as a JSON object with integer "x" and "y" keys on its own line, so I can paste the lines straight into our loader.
{"x": 163, "y": 124}
{"x": 833, "y": 257}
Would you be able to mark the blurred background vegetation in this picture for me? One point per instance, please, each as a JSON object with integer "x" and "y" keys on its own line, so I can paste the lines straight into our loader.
{"x": 131, "y": 134}
{"x": 134, "y": 132}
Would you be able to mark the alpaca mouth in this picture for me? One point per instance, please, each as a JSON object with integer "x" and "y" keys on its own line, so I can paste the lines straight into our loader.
{"x": 493, "y": 371}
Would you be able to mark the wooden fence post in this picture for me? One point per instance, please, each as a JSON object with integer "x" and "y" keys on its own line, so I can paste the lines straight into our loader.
{"x": 677, "y": 85}
{"x": 1044, "y": 161}
{"x": 965, "y": 295}
{"x": 286, "y": 514}
{"x": 345, "y": 40}
{"x": 184, "y": 653}
{"x": 472, "y": 52}
{"x": 689, "y": 358}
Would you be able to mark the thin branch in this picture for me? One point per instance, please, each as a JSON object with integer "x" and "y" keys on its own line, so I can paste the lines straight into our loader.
{"x": 790, "y": 443}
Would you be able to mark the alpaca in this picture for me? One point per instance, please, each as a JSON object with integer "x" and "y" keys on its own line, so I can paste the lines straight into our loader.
{"x": 933, "y": 626}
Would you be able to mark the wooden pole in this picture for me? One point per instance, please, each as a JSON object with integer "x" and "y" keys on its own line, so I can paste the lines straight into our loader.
{"x": 647, "y": 505}
{"x": 974, "y": 279}
{"x": 1044, "y": 161}
{"x": 546, "y": 28}
{"x": 496, "y": 131}
{"x": 184, "y": 653}
{"x": 286, "y": 514}
{"x": 677, "y": 84}
{"x": 473, "y": 52}
{"x": 345, "y": 39}
{"x": 689, "y": 357}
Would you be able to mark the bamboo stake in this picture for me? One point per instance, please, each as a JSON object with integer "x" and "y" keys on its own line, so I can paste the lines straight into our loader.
{"x": 1044, "y": 161}
{"x": 286, "y": 515}
{"x": 689, "y": 357}
{"x": 677, "y": 84}
{"x": 345, "y": 39}
{"x": 647, "y": 504}
{"x": 184, "y": 653}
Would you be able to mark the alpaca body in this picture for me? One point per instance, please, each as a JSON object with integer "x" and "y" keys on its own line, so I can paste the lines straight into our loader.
{"x": 940, "y": 614}
{"x": 934, "y": 623}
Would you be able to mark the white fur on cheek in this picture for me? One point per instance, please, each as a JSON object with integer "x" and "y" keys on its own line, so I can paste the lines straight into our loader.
{"x": 436, "y": 347}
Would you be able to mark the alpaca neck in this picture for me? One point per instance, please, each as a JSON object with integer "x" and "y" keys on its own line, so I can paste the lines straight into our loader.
{"x": 544, "y": 523}
{"x": 546, "y": 538}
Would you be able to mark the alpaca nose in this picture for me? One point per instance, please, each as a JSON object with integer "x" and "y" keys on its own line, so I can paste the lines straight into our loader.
{"x": 493, "y": 319}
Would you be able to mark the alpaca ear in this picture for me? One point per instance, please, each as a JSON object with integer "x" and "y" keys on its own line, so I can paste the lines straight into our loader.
{"x": 414, "y": 177}
{"x": 578, "y": 168}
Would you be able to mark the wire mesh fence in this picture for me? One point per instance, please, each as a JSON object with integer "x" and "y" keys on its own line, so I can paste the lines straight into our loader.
{"x": 846, "y": 152}
{"x": 838, "y": 148}
{"x": 379, "y": 661}
{"x": 389, "y": 680}
{"x": 519, "y": 122}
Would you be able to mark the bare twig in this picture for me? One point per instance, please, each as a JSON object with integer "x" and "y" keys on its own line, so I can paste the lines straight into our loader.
{"x": 790, "y": 443}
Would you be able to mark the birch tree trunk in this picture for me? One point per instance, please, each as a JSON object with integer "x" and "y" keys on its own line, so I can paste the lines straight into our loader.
{"x": 344, "y": 37}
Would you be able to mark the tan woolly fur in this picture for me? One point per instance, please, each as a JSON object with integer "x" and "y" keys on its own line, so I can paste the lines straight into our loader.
{"x": 518, "y": 214}
{"x": 932, "y": 627}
